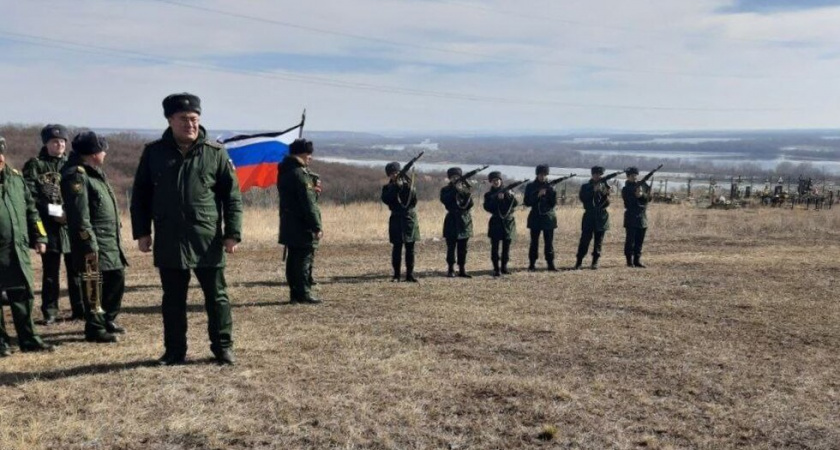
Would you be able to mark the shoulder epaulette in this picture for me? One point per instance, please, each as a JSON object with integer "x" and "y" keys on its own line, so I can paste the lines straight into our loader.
{"x": 214, "y": 144}
{"x": 80, "y": 169}
{"x": 16, "y": 172}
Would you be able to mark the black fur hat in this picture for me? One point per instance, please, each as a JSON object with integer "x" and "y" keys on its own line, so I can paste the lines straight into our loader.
{"x": 53, "y": 131}
{"x": 301, "y": 146}
{"x": 542, "y": 169}
{"x": 175, "y": 103}
{"x": 597, "y": 170}
{"x": 89, "y": 143}
{"x": 454, "y": 171}
{"x": 631, "y": 170}
{"x": 494, "y": 175}
{"x": 392, "y": 167}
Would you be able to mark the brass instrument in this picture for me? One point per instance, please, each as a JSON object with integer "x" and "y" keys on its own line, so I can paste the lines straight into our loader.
{"x": 92, "y": 282}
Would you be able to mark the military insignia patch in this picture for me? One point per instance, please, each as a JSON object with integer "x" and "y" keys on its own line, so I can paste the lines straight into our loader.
{"x": 40, "y": 226}
{"x": 84, "y": 235}
{"x": 77, "y": 187}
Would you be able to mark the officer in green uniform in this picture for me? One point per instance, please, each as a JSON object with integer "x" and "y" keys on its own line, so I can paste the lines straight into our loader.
{"x": 43, "y": 178}
{"x": 502, "y": 226}
{"x": 403, "y": 227}
{"x": 20, "y": 226}
{"x": 636, "y": 196}
{"x": 594, "y": 195}
{"x": 187, "y": 187}
{"x": 93, "y": 222}
{"x": 300, "y": 219}
{"x": 542, "y": 199}
{"x": 457, "y": 225}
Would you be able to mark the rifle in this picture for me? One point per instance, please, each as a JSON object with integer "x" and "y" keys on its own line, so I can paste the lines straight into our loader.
{"x": 404, "y": 172}
{"x": 650, "y": 174}
{"x": 513, "y": 186}
{"x": 463, "y": 179}
{"x": 602, "y": 190}
{"x": 561, "y": 179}
{"x": 643, "y": 188}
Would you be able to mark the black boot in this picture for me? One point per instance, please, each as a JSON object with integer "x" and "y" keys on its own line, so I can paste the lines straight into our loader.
{"x": 505, "y": 270}
{"x": 637, "y": 262}
{"x": 451, "y": 272}
{"x": 595, "y": 262}
{"x": 462, "y": 272}
{"x": 532, "y": 266}
{"x": 629, "y": 260}
{"x": 578, "y": 263}
{"x": 551, "y": 267}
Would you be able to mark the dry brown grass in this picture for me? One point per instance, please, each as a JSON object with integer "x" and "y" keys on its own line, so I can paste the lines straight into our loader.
{"x": 729, "y": 340}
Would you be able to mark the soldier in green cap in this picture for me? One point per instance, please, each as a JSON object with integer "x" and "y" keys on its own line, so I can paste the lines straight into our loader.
{"x": 20, "y": 227}
{"x": 93, "y": 222}
{"x": 502, "y": 226}
{"x": 542, "y": 199}
{"x": 300, "y": 219}
{"x": 187, "y": 188}
{"x": 43, "y": 177}
{"x": 457, "y": 226}
{"x": 403, "y": 227}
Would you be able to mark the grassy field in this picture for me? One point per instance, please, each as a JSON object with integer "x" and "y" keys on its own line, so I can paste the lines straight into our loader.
{"x": 730, "y": 339}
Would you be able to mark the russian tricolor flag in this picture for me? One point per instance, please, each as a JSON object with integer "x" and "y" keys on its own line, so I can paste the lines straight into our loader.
{"x": 256, "y": 156}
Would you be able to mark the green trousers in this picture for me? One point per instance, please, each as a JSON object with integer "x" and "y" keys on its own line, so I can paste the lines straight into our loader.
{"x": 175, "y": 284}
{"x": 113, "y": 288}
{"x": 298, "y": 272}
{"x": 21, "y": 301}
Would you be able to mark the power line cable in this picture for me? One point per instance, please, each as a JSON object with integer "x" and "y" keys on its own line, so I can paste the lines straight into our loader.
{"x": 393, "y": 43}
{"x": 325, "y": 81}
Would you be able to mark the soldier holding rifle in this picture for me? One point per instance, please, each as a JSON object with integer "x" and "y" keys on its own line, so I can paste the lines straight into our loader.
{"x": 636, "y": 195}
{"x": 500, "y": 202}
{"x": 20, "y": 228}
{"x": 43, "y": 177}
{"x": 457, "y": 226}
{"x": 595, "y": 196}
{"x": 403, "y": 227}
{"x": 541, "y": 197}
{"x": 93, "y": 222}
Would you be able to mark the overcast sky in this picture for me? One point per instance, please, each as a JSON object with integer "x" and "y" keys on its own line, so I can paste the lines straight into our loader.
{"x": 425, "y": 65}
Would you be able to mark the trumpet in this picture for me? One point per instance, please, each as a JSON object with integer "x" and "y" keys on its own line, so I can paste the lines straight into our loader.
{"x": 92, "y": 281}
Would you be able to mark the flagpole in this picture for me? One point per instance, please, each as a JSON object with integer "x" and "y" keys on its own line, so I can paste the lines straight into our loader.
{"x": 302, "y": 122}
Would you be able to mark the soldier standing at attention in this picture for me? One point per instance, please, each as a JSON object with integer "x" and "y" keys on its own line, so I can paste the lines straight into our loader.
{"x": 93, "y": 222}
{"x": 187, "y": 187}
{"x": 43, "y": 177}
{"x": 457, "y": 226}
{"x": 542, "y": 199}
{"x": 403, "y": 226}
{"x": 20, "y": 227}
{"x": 636, "y": 196}
{"x": 300, "y": 219}
{"x": 594, "y": 195}
{"x": 502, "y": 226}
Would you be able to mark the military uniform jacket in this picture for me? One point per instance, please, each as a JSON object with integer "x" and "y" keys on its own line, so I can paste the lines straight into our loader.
{"x": 34, "y": 171}
{"x": 458, "y": 222}
{"x": 192, "y": 199}
{"x": 635, "y": 208}
{"x": 542, "y": 215}
{"x": 300, "y": 216}
{"x": 595, "y": 217}
{"x": 502, "y": 225}
{"x": 403, "y": 225}
{"x": 93, "y": 219}
{"x": 20, "y": 226}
